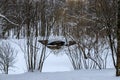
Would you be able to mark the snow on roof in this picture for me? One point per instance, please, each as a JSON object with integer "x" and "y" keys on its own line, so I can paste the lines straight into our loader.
{"x": 56, "y": 38}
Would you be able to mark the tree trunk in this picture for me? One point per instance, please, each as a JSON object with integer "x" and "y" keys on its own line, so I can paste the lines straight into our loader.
{"x": 43, "y": 19}
{"x": 118, "y": 42}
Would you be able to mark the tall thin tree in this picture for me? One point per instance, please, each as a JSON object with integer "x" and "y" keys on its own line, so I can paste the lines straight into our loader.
{"x": 118, "y": 41}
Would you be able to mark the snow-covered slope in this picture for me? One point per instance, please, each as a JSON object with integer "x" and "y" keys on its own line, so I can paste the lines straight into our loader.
{"x": 108, "y": 74}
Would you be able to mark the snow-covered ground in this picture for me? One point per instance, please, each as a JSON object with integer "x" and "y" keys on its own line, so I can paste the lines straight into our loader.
{"x": 108, "y": 74}
{"x": 55, "y": 68}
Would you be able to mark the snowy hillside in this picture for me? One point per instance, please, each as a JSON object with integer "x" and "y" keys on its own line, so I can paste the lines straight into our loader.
{"x": 108, "y": 74}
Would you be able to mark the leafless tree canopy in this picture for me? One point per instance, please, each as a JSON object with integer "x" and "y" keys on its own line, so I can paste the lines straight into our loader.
{"x": 7, "y": 57}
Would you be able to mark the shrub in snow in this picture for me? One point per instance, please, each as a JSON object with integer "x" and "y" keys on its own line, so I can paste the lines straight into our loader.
{"x": 7, "y": 57}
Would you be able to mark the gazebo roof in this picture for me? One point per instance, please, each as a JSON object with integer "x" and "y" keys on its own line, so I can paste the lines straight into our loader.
{"x": 56, "y": 42}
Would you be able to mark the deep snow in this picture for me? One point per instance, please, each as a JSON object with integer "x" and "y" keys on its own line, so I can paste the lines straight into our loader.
{"x": 108, "y": 74}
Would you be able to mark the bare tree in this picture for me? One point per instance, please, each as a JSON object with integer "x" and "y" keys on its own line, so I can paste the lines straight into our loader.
{"x": 81, "y": 26}
{"x": 106, "y": 14}
{"x": 7, "y": 57}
